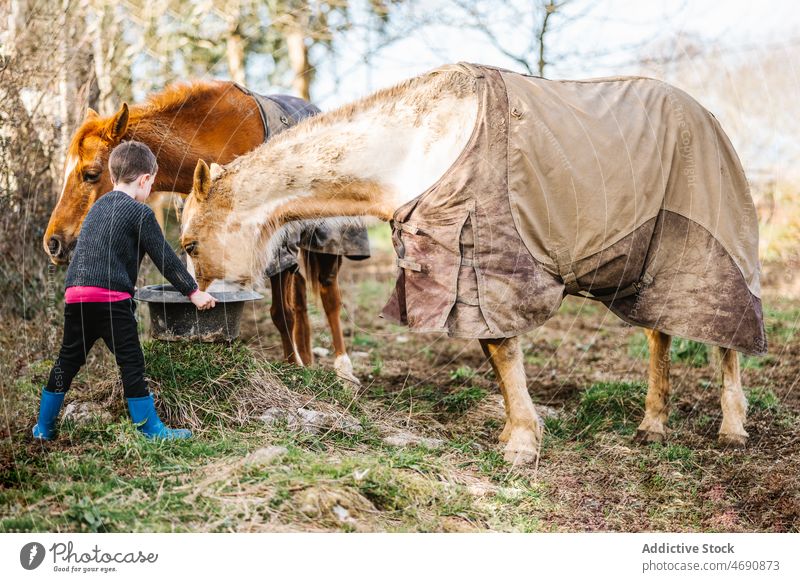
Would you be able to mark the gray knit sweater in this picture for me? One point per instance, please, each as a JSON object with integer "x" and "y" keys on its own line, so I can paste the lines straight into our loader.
{"x": 114, "y": 238}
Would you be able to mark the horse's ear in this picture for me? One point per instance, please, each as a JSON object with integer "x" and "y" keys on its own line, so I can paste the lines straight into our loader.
{"x": 91, "y": 114}
{"x": 202, "y": 181}
{"x": 119, "y": 124}
{"x": 216, "y": 170}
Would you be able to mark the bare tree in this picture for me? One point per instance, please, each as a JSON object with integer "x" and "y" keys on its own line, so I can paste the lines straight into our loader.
{"x": 235, "y": 43}
{"x": 45, "y": 66}
{"x": 518, "y": 30}
{"x": 111, "y": 55}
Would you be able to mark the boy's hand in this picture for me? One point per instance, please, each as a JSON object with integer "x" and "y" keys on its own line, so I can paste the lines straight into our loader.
{"x": 203, "y": 300}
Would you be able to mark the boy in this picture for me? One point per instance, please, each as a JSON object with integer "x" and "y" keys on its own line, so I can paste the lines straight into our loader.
{"x": 117, "y": 232}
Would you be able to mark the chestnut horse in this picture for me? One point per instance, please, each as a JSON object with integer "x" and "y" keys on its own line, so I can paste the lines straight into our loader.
{"x": 183, "y": 124}
{"x": 374, "y": 157}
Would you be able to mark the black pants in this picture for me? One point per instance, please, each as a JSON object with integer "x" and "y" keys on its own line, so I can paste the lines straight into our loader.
{"x": 113, "y": 321}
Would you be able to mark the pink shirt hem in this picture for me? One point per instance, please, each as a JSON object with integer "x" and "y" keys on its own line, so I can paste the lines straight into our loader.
{"x": 86, "y": 294}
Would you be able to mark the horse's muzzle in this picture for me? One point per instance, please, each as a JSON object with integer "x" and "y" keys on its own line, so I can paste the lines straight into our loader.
{"x": 59, "y": 251}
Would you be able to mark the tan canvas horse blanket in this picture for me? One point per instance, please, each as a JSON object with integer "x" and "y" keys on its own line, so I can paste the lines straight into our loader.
{"x": 279, "y": 112}
{"x": 624, "y": 190}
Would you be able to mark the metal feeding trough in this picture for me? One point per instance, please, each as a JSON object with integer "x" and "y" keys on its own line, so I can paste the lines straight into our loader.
{"x": 173, "y": 317}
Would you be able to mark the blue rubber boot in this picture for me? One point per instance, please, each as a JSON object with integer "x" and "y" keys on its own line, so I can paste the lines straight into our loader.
{"x": 144, "y": 416}
{"x": 49, "y": 407}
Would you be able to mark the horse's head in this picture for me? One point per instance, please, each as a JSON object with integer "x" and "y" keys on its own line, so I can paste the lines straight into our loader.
{"x": 86, "y": 178}
{"x": 221, "y": 243}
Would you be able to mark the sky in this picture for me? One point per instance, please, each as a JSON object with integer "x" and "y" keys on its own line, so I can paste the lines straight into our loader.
{"x": 611, "y": 26}
{"x": 748, "y": 74}
{"x": 745, "y": 42}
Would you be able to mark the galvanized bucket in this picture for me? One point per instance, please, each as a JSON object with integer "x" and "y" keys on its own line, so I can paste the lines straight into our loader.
{"x": 173, "y": 317}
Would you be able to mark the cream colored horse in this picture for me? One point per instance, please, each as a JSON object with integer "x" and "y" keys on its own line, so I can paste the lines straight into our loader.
{"x": 368, "y": 159}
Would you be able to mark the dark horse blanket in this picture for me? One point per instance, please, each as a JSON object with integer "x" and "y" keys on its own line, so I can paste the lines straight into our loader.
{"x": 279, "y": 112}
{"x": 624, "y": 190}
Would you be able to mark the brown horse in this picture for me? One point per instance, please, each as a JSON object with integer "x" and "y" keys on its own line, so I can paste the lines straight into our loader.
{"x": 185, "y": 123}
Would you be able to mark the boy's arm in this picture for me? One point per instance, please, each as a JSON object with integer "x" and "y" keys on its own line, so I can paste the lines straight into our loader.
{"x": 164, "y": 258}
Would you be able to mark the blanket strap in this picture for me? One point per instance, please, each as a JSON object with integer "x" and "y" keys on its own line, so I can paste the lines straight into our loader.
{"x": 564, "y": 264}
{"x": 405, "y": 227}
{"x": 397, "y": 229}
{"x": 571, "y": 286}
{"x": 631, "y": 289}
{"x": 409, "y": 264}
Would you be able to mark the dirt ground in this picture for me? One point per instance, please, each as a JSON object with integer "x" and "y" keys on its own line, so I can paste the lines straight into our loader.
{"x": 428, "y": 458}
{"x": 605, "y": 482}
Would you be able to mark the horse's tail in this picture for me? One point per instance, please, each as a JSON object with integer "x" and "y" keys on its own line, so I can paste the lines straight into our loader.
{"x": 311, "y": 269}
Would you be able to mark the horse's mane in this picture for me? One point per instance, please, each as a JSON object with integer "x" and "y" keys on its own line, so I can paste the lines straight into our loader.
{"x": 182, "y": 94}
{"x": 171, "y": 99}
{"x": 144, "y": 116}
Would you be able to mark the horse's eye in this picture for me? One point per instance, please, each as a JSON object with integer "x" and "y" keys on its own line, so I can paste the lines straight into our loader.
{"x": 91, "y": 176}
{"x": 190, "y": 247}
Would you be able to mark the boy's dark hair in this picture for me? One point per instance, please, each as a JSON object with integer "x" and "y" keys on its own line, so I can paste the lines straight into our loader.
{"x": 129, "y": 160}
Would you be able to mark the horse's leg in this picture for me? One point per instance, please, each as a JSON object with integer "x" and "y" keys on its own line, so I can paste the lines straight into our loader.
{"x": 507, "y": 428}
{"x": 331, "y": 297}
{"x": 656, "y": 404}
{"x": 525, "y": 434}
{"x": 283, "y": 314}
{"x": 734, "y": 402}
{"x": 302, "y": 325}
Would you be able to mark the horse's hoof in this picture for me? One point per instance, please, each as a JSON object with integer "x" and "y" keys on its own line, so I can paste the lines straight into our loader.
{"x": 735, "y": 441}
{"x": 649, "y": 436}
{"x": 523, "y": 445}
{"x": 344, "y": 369}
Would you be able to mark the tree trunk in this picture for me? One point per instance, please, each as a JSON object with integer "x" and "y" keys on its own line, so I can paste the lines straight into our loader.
{"x": 29, "y": 144}
{"x": 298, "y": 60}
{"x": 234, "y": 45}
{"x": 105, "y": 34}
{"x": 234, "y": 50}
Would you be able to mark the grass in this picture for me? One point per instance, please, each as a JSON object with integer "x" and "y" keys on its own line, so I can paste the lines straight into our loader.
{"x": 103, "y": 476}
{"x": 603, "y": 407}
{"x": 190, "y": 488}
{"x": 222, "y": 384}
{"x": 462, "y": 373}
{"x": 689, "y": 352}
{"x": 427, "y": 398}
{"x": 364, "y": 341}
{"x": 380, "y": 237}
{"x": 782, "y": 321}
{"x": 377, "y": 363}
{"x": 757, "y": 362}
{"x": 371, "y": 292}
{"x": 764, "y": 399}
{"x": 109, "y": 478}
{"x": 198, "y": 384}
{"x": 574, "y": 306}
{"x": 678, "y": 454}
{"x": 610, "y": 406}
{"x": 682, "y": 350}
{"x": 463, "y": 399}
